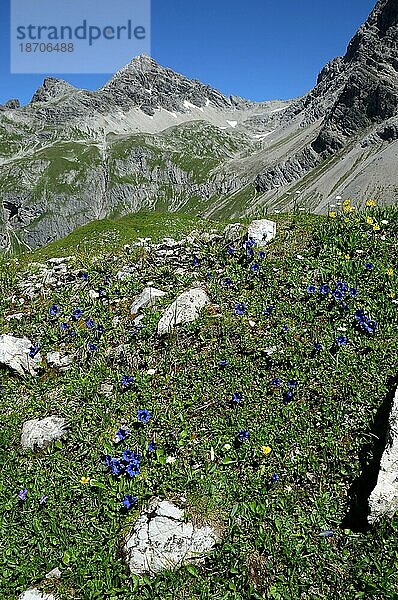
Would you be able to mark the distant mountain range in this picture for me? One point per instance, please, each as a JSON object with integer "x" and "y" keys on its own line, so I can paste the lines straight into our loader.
{"x": 153, "y": 139}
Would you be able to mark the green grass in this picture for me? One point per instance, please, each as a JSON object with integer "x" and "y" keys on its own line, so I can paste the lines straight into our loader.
{"x": 322, "y": 441}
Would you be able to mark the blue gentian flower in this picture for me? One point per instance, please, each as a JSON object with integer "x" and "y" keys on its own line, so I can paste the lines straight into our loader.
{"x": 262, "y": 255}
{"x": 240, "y": 308}
{"x": 237, "y": 398}
{"x": 369, "y": 266}
{"x": 337, "y": 295}
{"x": 311, "y": 289}
{"x": 143, "y": 415}
{"x": 77, "y": 314}
{"x": 343, "y": 287}
{"x": 269, "y": 310}
{"x": 274, "y": 477}
{"x": 195, "y": 261}
{"x": 353, "y": 292}
{"x": 228, "y": 282}
{"x": 64, "y": 326}
{"x": 318, "y": 347}
{"x": 285, "y": 329}
{"x": 223, "y": 363}
{"x": 84, "y": 276}
{"x": 152, "y": 447}
{"x": 324, "y": 289}
{"x": 129, "y": 501}
{"x": 341, "y": 340}
{"x": 288, "y": 396}
{"x": 54, "y": 310}
{"x": 92, "y": 347}
{"x": 43, "y": 500}
{"x": 243, "y": 435}
{"x": 122, "y": 434}
{"x": 255, "y": 267}
{"x": 108, "y": 460}
{"x": 22, "y": 494}
{"x": 127, "y": 380}
{"x": 133, "y": 469}
{"x": 230, "y": 250}
{"x": 130, "y": 456}
{"x": 250, "y": 243}
{"x": 276, "y": 382}
{"x": 90, "y": 323}
{"x": 33, "y": 351}
{"x": 292, "y": 383}
{"x": 116, "y": 466}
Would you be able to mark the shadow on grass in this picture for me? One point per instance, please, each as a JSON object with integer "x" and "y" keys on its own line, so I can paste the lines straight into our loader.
{"x": 362, "y": 487}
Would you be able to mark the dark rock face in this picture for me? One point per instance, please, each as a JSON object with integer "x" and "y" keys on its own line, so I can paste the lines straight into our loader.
{"x": 10, "y": 104}
{"x": 370, "y": 93}
{"x": 51, "y": 88}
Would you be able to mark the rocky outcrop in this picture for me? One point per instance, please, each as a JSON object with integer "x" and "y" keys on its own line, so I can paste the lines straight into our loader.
{"x": 383, "y": 501}
{"x": 162, "y": 539}
{"x": 185, "y": 309}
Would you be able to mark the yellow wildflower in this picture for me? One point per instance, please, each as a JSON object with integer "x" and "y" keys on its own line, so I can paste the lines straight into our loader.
{"x": 369, "y": 220}
{"x": 85, "y": 480}
{"x": 266, "y": 450}
{"x": 347, "y": 202}
{"x": 390, "y": 272}
{"x": 332, "y": 215}
{"x": 347, "y": 257}
{"x": 376, "y": 227}
{"x": 371, "y": 203}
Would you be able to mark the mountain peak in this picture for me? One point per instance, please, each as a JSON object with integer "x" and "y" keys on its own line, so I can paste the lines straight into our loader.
{"x": 51, "y": 88}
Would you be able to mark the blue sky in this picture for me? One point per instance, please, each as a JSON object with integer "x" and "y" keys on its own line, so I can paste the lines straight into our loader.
{"x": 257, "y": 49}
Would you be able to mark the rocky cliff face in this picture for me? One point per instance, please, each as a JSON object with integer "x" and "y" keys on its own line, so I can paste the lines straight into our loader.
{"x": 152, "y": 138}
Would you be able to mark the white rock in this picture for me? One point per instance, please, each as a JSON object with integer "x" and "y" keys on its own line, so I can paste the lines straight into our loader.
{"x": 383, "y": 501}
{"x": 148, "y": 297}
{"x": 41, "y": 432}
{"x": 184, "y": 309}
{"x": 262, "y": 231}
{"x": 54, "y": 574}
{"x": 35, "y": 594}
{"x": 14, "y": 353}
{"x": 63, "y": 362}
{"x": 93, "y": 294}
{"x": 161, "y": 539}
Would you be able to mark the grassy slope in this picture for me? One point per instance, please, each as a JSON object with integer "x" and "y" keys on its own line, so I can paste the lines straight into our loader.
{"x": 321, "y": 441}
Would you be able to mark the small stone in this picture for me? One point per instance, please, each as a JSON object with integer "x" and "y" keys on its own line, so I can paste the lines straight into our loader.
{"x": 56, "y": 360}
{"x": 383, "y": 501}
{"x": 41, "y": 432}
{"x": 93, "y": 294}
{"x": 14, "y": 353}
{"x": 148, "y": 298}
{"x": 184, "y": 309}
{"x": 54, "y": 574}
{"x": 262, "y": 231}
